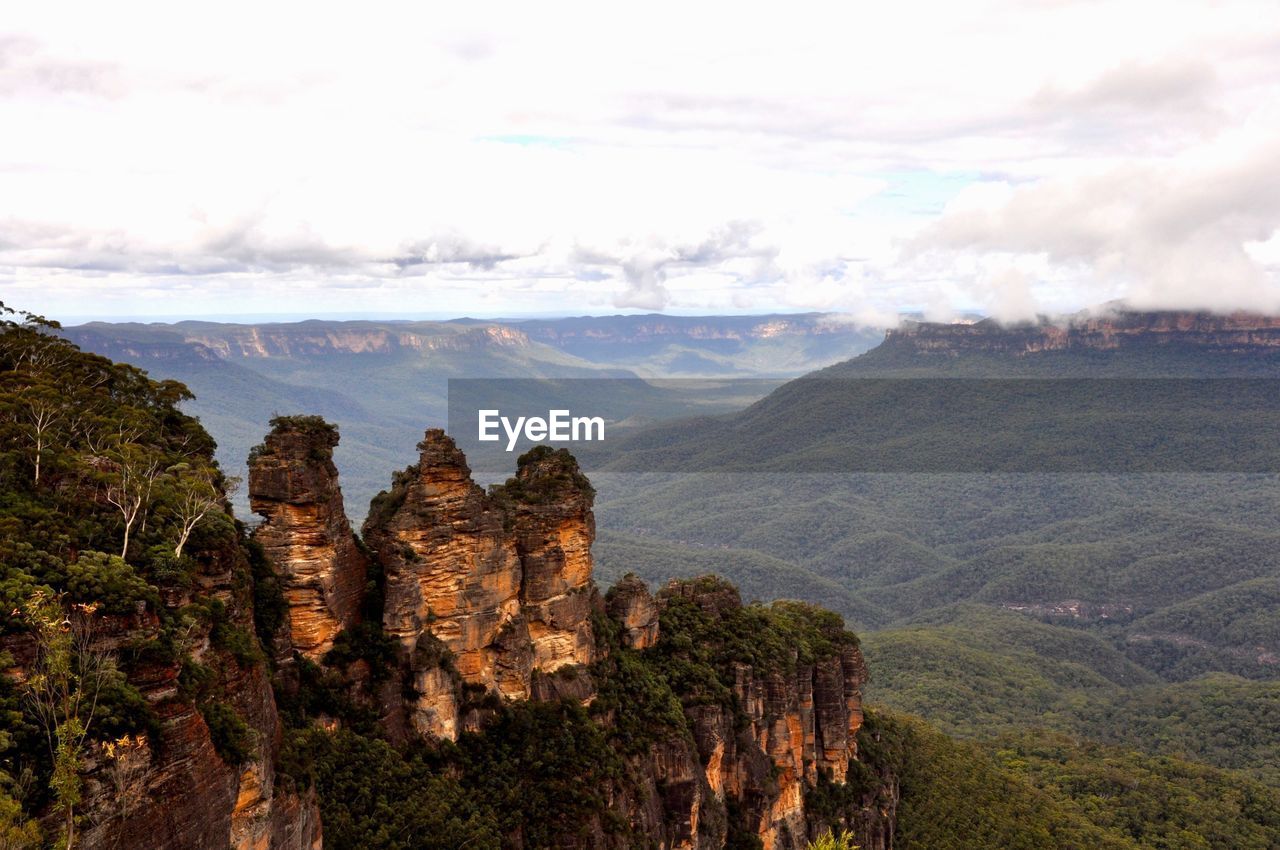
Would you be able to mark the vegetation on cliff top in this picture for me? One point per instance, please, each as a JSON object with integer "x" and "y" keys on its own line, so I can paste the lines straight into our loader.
{"x": 110, "y": 502}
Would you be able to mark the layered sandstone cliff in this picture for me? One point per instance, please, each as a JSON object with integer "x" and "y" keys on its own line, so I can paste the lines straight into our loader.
{"x": 170, "y": 787}
{"x": 785, "y": 729}
{"x": 500, "y": 581}
{"x": 293, "y": 485}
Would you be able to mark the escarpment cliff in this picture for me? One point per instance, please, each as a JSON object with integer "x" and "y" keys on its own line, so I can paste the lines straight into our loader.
{"x": 201, "y": 773}
{"x": 1235, "y": 333}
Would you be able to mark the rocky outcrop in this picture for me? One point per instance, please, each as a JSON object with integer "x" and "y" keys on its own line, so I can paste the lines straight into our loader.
{"x": 787, "y": 729}
{"x": 630, "y": 603}
{"x": 293, "y": 485}
{"x": 500, "y": 581}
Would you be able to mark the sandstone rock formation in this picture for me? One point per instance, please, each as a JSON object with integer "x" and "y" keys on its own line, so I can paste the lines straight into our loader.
{"x": 293, "y": 485}
{"x": 490, "y": 594}
{"x": 793, "y": 726}
{"x": 630, "y": 603}
{"x": 501, "y": 581}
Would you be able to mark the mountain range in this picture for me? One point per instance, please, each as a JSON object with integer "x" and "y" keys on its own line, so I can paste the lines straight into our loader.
{"x": 381, "y": 382}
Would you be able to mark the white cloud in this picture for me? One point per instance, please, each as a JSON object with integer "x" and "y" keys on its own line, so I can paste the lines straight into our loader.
{"x": 1172, "y": 234}
{"x": 673, "y": 157}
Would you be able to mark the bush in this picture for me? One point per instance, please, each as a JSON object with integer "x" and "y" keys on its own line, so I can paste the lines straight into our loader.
{"x": 232, "y": 738}
{"x": 364, "y": 642}
{"x": 109, "y": 581}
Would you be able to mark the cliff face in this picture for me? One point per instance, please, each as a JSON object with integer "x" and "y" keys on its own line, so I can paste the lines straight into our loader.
{"x": 319, "y": 338}
{"x": 784, "y": 730}
{"x": 630, "y": 603}
{"x": 659, "y": 328}
{"x": 172, "y": 789}
{"x": 1235, "y": 333}
{"x": 502, "y": 581}
{"x": 293, "y": 485}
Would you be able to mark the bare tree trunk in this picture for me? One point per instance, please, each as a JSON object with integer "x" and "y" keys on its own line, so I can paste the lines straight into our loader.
{"x": 124, "y": 550}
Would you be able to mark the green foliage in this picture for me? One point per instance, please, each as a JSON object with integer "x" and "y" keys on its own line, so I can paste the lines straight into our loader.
{"x": 833, "y": 841}
{"x": 269, "y": 605}
{"x": 543, "y": 474}
{"x": 308, "y": 425}
{"x": 704, "y": 622}
{"x": 232, "y": 738}
{"x": 384, "y": 505}
{"x": 322, "y": 691}
{"x": 955, "y": 796}
{"x": 90, "y": 451}
{"x": 314, "y": 426}
{"x": 1038, "y": 791}
{"x": 364, "y": 642}
{"x": 17, "y": 832}
{"x": 546, "y": 767}
{"x": 123, "y": 710}
{"x": 1154, "y": 802}
{"x": 636, "y": 702}
{"x": 375, "y": 796}
{"x": 107, "y": 580}
{"x": 539, "y": 771}
{"x": 324, "y": 433}
{"x": 62, "y": 692}
{"x": 979, "y": 672}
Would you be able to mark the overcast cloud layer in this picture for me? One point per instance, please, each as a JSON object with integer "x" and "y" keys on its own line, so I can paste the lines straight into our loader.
{"x": 1006, "y": 157}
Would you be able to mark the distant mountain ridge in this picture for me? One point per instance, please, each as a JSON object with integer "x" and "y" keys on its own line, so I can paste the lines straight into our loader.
{"x": 684, "y": 345}
{"x": 293, "y": 339}
{"x": 1234, "y": 333}
{"x": 381, "y": 381}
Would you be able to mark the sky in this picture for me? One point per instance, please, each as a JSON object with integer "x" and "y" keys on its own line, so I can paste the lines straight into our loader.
{"x": 495, "y": 159}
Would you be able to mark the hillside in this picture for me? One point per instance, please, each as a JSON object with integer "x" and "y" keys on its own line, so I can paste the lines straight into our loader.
{"x": 1108, "y": 604}
{"x": 1127, "y": 393}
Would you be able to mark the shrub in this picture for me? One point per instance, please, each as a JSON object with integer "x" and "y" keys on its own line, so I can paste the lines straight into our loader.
{"x": 232, "y": 738}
